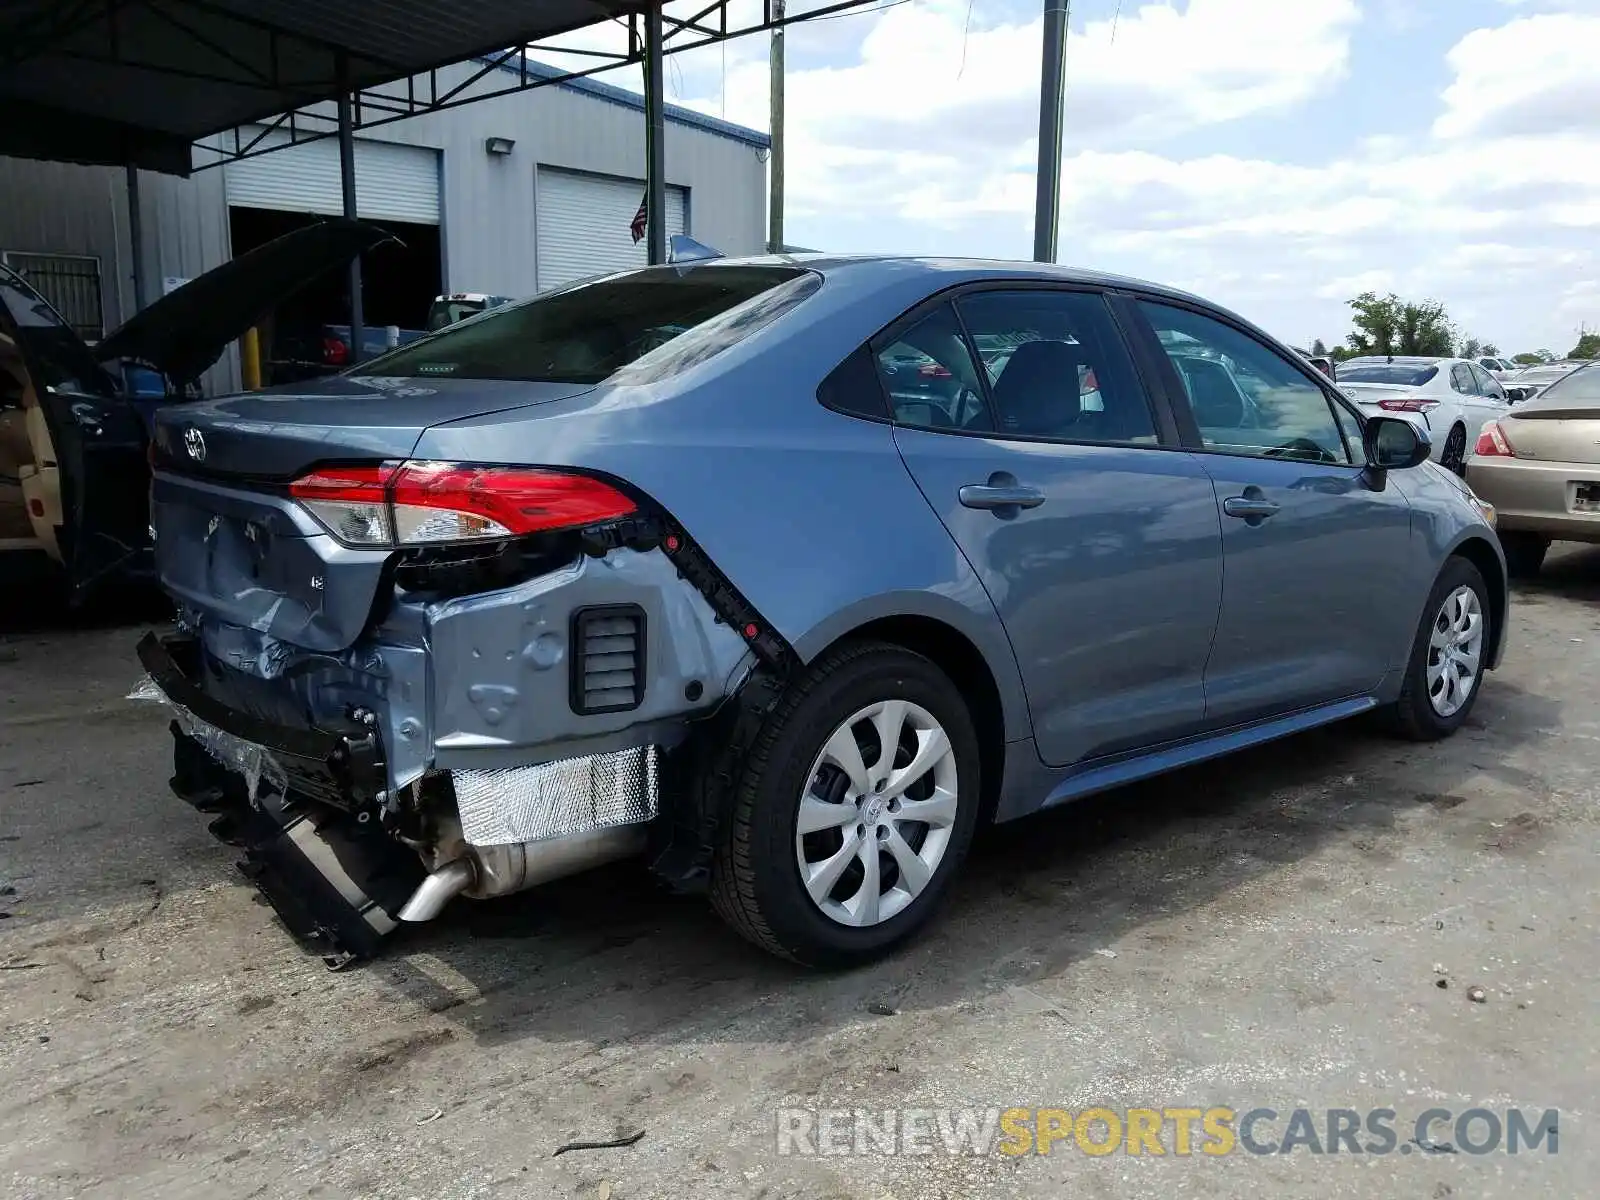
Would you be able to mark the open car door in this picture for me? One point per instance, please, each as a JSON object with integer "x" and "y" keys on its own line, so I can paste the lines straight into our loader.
{"x": 86, "y": 489}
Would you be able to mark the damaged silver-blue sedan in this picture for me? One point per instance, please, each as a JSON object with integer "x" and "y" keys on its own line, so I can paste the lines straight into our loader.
{"x": 783, "y": 575}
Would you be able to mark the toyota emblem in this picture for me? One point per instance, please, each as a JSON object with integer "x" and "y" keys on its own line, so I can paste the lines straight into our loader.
{"x": 195, "y": 443}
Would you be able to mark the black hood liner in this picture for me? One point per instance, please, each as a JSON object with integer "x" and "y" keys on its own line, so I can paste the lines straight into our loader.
{"x": 184, "y": 332}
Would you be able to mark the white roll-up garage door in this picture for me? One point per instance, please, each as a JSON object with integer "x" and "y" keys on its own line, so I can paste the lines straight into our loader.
{"x": 583, "y": 224}
{"x": 393, "y": 182}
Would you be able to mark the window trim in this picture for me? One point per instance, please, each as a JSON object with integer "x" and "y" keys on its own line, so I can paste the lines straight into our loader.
{"x": 1166, "y": 431}
{"x": 1177, "y": 397}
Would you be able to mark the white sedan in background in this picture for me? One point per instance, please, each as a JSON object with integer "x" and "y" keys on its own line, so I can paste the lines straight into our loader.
{"x": 1452, "y": 398}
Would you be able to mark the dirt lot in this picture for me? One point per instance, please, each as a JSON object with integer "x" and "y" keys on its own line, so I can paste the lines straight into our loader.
{"x": 1261, "y": 932}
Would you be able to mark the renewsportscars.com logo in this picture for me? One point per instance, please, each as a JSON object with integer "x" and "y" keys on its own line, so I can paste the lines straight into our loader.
{"x": 1180, "y": 1132}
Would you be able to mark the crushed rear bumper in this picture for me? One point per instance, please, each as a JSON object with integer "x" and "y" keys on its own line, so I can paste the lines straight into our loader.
{"x": 343, "y": 768}
{"x": 335, "y": 881}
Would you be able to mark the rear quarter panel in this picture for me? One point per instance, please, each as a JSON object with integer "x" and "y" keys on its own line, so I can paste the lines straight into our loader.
{"x": 1444, "y": 521}
{"x": 811, "y": 514}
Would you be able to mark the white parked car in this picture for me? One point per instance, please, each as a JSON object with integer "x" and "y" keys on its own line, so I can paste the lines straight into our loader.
{"x": 1452, "y": 398}
{"x": 1533, "y": 380}
{"x": 1498, "y": 367}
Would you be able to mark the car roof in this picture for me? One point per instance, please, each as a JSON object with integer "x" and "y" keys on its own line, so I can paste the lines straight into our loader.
{"x": 957, "y": 269}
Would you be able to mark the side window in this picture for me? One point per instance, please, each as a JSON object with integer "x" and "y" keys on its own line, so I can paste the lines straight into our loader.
{"x": 1487, "y": 384}
{"x": 1056, "y": 367}
{"x": 1246, "y": 397}
{"x": 1350, "y": 426}
{"x": 1461, "y": 380}
{"x": 930, "y": 377}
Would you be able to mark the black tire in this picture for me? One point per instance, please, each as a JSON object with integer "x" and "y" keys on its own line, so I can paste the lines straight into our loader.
{"x": 755, "y": 882}
{"x": 1524, "y": 553}
{"x": 1454, "y": 455}
{"x": 1413, "y": 715}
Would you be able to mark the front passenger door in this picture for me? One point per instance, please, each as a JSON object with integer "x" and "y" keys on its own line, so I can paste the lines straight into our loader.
{"x": 1311, "y": 549}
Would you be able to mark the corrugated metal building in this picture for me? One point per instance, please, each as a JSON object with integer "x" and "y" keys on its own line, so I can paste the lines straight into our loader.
{"x": 553, "y": 205}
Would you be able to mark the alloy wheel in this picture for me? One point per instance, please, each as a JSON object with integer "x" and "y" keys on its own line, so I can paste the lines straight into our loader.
{"x": 1454, "y": 456}
{"x": 1455, "y": 651}
{"x": 877, "y": 813}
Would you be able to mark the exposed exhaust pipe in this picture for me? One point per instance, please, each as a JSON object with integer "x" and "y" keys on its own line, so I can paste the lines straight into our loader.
{"x": 437, "y": 890}
{"x": 485, "y": 871}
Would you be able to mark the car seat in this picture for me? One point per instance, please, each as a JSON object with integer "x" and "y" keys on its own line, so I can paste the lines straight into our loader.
{"x": 1037, "y": 393}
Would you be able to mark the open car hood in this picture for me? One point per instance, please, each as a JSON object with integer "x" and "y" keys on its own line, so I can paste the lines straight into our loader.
{"x": 186, "y": 331}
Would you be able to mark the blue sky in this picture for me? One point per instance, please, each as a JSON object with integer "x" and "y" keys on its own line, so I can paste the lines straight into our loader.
{"x": 1278, "y": 156}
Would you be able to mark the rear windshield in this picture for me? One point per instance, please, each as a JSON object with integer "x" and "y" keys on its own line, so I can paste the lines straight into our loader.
{"x": 587, "y": 333}
{"x": 1395, "y": 373}
{"x": 1578, "y": 391}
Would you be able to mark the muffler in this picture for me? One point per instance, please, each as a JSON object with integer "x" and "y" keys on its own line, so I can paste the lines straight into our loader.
{"x": 484, "y": 871}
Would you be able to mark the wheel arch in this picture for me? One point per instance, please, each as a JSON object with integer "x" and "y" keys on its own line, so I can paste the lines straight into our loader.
{"x": 960, "y": 658}
{"x": 1486, "y": 558}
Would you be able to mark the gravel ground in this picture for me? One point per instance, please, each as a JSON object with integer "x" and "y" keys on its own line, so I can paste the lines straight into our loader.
{"x": 1260, "y": 932}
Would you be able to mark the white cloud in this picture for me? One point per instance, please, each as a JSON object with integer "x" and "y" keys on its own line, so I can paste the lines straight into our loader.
{"x": 906, "y": 135}
{"x": 1533, "y": 76}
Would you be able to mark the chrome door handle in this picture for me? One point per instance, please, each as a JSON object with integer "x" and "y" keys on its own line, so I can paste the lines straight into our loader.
{"x": 1249, "y": 507}
{"x": 990, "y": 496}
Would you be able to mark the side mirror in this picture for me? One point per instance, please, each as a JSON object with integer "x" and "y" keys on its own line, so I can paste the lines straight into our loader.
{"x": 1394, "y": 444}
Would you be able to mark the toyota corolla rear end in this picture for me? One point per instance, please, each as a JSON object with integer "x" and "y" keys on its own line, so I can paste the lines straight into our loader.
{"x": 401, "y": 677}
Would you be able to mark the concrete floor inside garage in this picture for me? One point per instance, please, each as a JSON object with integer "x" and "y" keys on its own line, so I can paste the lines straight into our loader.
{"x": 1261, "y": 931}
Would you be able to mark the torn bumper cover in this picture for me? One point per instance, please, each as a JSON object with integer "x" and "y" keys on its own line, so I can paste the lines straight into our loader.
{"x": 308, "y": 807}
{"x": 343, "y": 768}
{"x": 337, "y": 887}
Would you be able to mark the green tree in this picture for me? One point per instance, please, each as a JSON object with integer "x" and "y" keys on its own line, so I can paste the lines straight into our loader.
{"x": 1588, "y": 345}
{"x": 1319, "y": 348}
{"x": 1386, "y": 325}
{"x": 1472, "y": 348}
{"x": 1491, "y": 350}
{"x": 1528, "y": 358}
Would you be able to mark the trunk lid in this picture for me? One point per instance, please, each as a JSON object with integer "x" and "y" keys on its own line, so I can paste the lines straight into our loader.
{"x": 281, "y": 433}
{"x": 233, "y": 547}
{"x": 1555, "y": 435}
{"x": 184, "y": 332}
{"x": 1371, "y": 393}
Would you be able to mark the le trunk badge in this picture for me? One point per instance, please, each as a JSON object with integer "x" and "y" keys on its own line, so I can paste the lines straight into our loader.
{"x": 195, "y": 443}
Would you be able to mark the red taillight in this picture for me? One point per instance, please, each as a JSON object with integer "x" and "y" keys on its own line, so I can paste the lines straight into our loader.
{"x": 431, "y": 503}
{"x": 1417, "y": 406}
{"x": 334, "y": 352}
{"x": 1492, "y": 442}
{"x": 933, "y": 371}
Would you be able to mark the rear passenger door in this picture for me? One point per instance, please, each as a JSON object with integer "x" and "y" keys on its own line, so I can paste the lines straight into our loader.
{"x": 1312, "y": 547}
{"x": 1096, "y": 537}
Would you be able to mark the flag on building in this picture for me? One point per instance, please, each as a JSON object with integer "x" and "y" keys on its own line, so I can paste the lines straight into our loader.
{"x": 640, "y": 218}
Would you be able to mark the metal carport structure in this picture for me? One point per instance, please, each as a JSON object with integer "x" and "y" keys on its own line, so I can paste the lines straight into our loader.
{"x": 144, "y": 83}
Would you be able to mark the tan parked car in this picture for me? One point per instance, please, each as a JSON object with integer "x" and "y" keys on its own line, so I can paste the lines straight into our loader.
{"x": 1539, "y": 465}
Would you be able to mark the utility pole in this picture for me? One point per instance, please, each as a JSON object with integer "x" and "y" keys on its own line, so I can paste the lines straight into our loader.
{"x": 775, "y": 212}
{"x": 655, "y": 135}
{"x": 1052, "y": 97}
{"x": 347, "y": 191}
{"x": 136, "y": 238}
